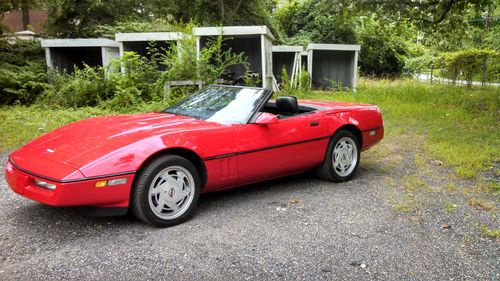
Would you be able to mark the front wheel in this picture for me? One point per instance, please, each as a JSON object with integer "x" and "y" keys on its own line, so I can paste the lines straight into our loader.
{"x": 166, "y": 191}
{"x": 341, "y": 159}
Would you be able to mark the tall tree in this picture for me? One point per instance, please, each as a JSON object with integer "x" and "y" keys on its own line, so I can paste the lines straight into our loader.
{"x": 70, "y": 18}
{"x": 213, "y": 12}
{"x": 79, "y": 18}
{"x": 25, "y": 10}
{"x": 421, "y": 12}
{"x": 321, "y": 21}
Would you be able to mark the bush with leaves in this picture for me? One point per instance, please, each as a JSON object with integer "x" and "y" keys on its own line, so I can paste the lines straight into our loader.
{"x": 287, "y": 88}
{"x": 469, "y": 63}
{"x": 306, "y": 21}
{"x": 23, "y": 73}
{"x": 108, "y": 87}
{"x": 84, "y": 87}
{"x": 423, "y": 63}
{"x": 22, "y": 84}
{"x": 141, "y": 80}
{"x": 301, "y": 84}
{"x": 384, "y": 48}
{"x": 215, "y": 59}
{"x": 138, "y": 83}
{"x": 304, "y": 81}
{"x": 419, "y": 63}
{"x": 181, "y": 63}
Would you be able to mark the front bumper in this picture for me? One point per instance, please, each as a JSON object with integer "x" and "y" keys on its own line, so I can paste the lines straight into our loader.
{"x": 68, "y": 194}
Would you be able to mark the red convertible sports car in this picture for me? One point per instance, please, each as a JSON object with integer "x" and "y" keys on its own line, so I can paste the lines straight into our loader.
{"x": 157, "y": 164}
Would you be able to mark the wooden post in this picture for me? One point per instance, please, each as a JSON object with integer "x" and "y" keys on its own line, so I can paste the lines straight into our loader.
{"x": 294, "y": 70}
{"x": 170, "y": 84}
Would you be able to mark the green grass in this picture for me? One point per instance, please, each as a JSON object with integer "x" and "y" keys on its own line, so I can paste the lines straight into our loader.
{"x": 461, "y": 126}
{"x": 20, "y": 124}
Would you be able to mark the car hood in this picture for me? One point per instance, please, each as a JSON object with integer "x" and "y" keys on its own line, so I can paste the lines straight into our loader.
{"x": 80, "y": 143}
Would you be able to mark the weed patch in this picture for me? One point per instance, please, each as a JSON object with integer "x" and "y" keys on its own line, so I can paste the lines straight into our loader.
{"x": 491, "y": 233}
{"x": 482, "y": 204}
{"x": 450, "y": 207}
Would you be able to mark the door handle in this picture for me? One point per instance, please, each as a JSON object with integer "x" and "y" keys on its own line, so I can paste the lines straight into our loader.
{"x": 314, "y": 123}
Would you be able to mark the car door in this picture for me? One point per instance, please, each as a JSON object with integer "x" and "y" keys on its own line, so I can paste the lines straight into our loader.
{"x": 294, "y": 144}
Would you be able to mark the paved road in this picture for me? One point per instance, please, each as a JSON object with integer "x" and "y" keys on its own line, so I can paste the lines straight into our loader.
{"x": 346, "y": 231}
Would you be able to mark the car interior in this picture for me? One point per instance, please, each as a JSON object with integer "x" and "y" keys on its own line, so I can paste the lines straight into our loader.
{"x": 286, "y": 107}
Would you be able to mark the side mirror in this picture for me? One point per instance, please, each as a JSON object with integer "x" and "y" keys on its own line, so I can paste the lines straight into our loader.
{"x": 266, "y": 118}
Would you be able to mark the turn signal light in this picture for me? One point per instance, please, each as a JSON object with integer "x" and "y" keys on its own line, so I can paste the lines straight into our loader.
{"x": 101, "y": 183}
{"x": 111, "y": 182}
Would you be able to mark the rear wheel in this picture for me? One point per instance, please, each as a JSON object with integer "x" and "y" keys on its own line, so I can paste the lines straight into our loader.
{"x": 341, "y": 159}
{"x": 166, "y": 191}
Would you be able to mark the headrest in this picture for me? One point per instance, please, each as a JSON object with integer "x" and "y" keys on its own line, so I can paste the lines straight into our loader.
{"x": 287, "y": 105}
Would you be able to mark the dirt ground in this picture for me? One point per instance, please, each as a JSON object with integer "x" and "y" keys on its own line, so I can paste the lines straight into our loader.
{"x": 405, "y": 216}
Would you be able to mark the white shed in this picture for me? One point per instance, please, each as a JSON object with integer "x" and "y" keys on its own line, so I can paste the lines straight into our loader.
{"x": 139, "y": 42}
{"x": 66, "y": 54}
{"x": 254, "y": 41}
{"x": 333, "y": 65}
{"x": 289, "y": 57}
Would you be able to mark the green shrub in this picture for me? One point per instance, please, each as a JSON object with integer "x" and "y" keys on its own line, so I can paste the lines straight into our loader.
{"x": 384, "y": 48}
{"x": 22, "y": 84}
{"x": 300, "y": 86}
{"x": 469, "y": 63}
{"x": 215, "y": 59}
{"x": 84, "y": 87}
{"x": 22, "y": 72}
{"x": 252, "y": 80}
{"x": 142, "y": 81}
{"x": 182, "y": 64}
{"x": 107, "y": 87}
{"x": 286, "y": 83}
{"x": 304, "y": 81}
{"x": 423, "y": 62}
{"x": 136, "y": 84}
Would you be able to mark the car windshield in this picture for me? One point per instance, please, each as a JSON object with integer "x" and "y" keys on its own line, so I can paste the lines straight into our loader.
{"x": 221, "y": 104}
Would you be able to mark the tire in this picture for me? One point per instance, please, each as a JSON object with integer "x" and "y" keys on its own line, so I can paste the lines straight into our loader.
{"x": 345, "y": 146}
{"x": 166, "y": 191}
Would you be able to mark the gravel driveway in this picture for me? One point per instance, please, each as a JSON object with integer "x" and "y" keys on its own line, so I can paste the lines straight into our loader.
{"x": 288, "y": 229}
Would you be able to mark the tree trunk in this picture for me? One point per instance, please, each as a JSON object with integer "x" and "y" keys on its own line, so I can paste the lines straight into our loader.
{"x": 222, "y": 12}
{"x": 25, "y": 13}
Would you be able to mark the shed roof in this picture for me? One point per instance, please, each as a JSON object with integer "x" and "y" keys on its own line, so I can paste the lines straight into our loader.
{"x": 334, "y": 47}
{"x": 288, "y": 49}
{"x": 233, "y": 30}
{"x": 79, "y": 42}
{"x": 149, "y": 36}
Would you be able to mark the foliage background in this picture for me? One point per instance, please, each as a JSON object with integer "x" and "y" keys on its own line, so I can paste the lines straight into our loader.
{"x": 390, "y": 32}
{"x": 457, "y": 39}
